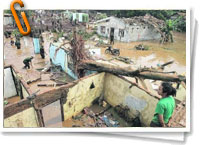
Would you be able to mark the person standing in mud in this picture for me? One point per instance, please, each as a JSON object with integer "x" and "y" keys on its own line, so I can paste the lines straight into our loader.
{"x": 11, "y": 41}
{"x": 42, "y": 52}
{"x": 112, "y": 38}
{"x": 17, "y": 42}
{"x": 27, "y": 62}
{"x": 165, "y": 107}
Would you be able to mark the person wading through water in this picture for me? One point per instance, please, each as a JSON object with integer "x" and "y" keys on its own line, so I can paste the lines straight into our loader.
{"x": 165, "y": 107}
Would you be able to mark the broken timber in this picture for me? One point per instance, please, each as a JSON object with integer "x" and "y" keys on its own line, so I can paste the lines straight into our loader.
{"x": 145, "y": 73}
{"x": 145, "y": 90}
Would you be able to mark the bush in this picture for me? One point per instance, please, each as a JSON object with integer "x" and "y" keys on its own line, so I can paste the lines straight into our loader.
{"x": 86, "y": 35}
{"x": 16, "y": 33}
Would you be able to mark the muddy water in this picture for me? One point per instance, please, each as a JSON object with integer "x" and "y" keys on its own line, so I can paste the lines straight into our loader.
{"x": 15, "y": 56}
{"x": 157, "y": 53}
{"x": 14, "y": 99}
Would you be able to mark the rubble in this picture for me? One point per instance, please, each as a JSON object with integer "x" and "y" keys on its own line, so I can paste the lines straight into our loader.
{"x": 124, "y": 59}
{"x": 141, "y": 47}
{"x": 53, "y": 76}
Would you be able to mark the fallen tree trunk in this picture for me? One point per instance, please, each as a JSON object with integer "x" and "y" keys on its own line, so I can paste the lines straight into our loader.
{"x": 145, "y": 73}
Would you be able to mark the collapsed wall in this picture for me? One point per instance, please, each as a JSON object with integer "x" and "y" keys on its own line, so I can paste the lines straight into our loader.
{"x": 117, "y": 92}
{"x": 13, "y": 86}
{"x": 25, "y": 118}
{"x": 83, "y": 94}
{"x": 50, "y": 108}
{"x": 73, "y": 98}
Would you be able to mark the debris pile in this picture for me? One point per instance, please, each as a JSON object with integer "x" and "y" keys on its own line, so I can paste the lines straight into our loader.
{"x": 78, "y": 53}
{"x": 124, "y": 112}
{"x": 158, "y": 24}
{"x": 124, "y": 59}
{"x": 179, "y": 115}
{"x": 141, "y": 47}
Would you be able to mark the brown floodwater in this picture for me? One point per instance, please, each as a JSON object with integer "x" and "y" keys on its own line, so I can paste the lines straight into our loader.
{"x": 13, "y": 99}
{"x": 157, "y": 53}
{"x": 15, "y": 56}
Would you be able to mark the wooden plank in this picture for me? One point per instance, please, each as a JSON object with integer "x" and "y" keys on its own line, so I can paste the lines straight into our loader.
{"x": 183, "y": 84}
{"x": 47, "y": 98}
{"x": 40, "y": 117}
{"x": 135, "y": 84}
{"x": 143, "y": 83}
{"x": 17, "y": 107}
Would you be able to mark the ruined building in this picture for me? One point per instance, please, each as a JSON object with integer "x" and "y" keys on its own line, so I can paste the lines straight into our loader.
{"x": 130, "y": 29}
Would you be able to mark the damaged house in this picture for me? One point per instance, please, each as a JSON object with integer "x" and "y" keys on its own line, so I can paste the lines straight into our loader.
{"x": 130, "y": 29}
{"x": 70, "y": 102}
{"x": 73, "y": 86}
{"x": 97, "y": 99}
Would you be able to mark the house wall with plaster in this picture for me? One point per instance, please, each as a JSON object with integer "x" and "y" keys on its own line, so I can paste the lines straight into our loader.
{"x": 26, "y": 118}
{"x": 134, "y": 32}
{"x": 7, "y": 20}
{"x": 81, "y": 95}
{"x": 9, "y": 85}
{"x": 117, "y": 91}
{"x": 62, "y": 58}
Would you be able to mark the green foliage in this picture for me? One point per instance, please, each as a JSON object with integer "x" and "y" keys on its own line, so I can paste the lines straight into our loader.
{"x": 146, "y": 47}
{"x": 5, "y": 102}
{"x": 7, "y": 12}
{"x": 101, "y": 16}
{"x": 86, "y": 35}
{"x": 16, "y": 33}
{"x": 178, "y": 25}
{"x": 60, "y": 34}
{"x": 100, "y": 41}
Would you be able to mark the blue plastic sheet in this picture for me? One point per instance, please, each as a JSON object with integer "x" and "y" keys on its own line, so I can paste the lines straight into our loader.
{"x": 36, "y": 44}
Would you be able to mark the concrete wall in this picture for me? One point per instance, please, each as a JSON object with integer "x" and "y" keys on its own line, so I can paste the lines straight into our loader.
{"x": 81, "y": 96}
{"x": 116, "y": 91}
{"x": 180, "y": 94}
{"x": 7, "y": 20}
{"x": 141, "y": 33}
{"x": 115, "y": 23}
{"x": 9, "y": 85}
{"x": 62, "y": 59}
{"x": 26, "y": 118}
{"x": 68, "y": 70}
{"x": 131, "y": 32}
{"x": 24, "y": 91}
